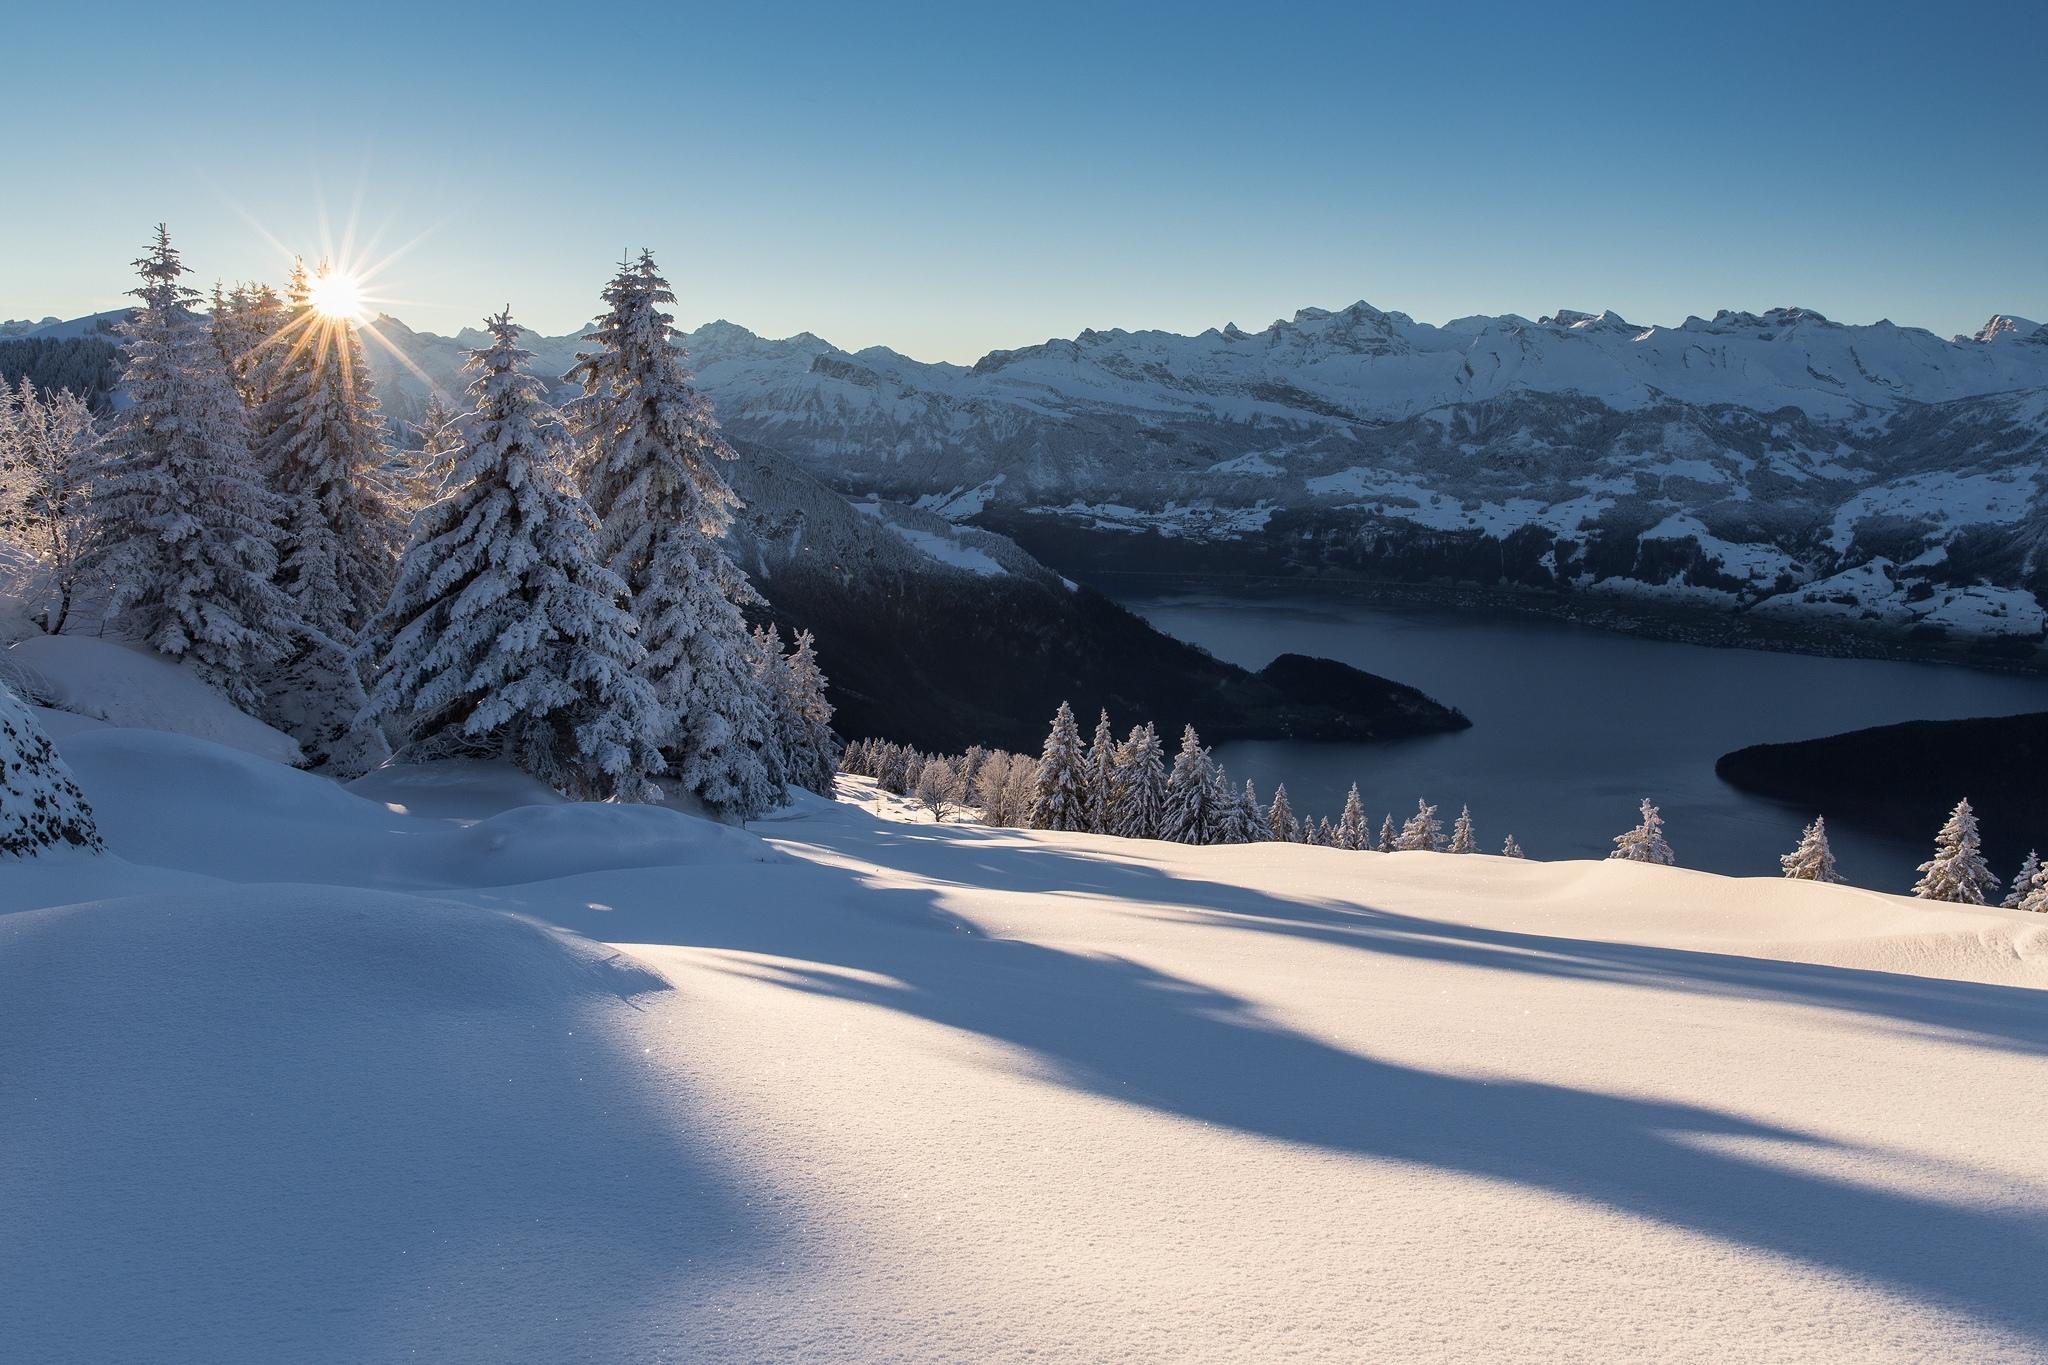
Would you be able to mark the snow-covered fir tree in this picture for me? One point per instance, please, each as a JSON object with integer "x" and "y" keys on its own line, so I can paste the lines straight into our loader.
{"x": 1059, "y": 798}
{"x": 1231, "y": 823}
{"x": 246, "y": 325}
{"x": 1256, "y": 824}
{"x": 1101, "y": 774}
{"x": 505, "y": 636}
{"x": 1645, "y": 843}
{"x": 1389, "y": 839}
{"x": 2023, "y": 882}
{"x": 1957, "y": 871}
{"x": 1353, "y": 829}
{"x": 41, "y": 807}
{"x": 1280, "y": 819}
{"x": 429, "y": 456}
{"x": 1812, "y": 860}
{"x": 1462, "y": 840}
{"x": 812, "y": 747}
{"x": 184, "y": 535}
{"x": 323, "y": 442}
{"x": 1138, "y": 785}
{"x": 648, "y": 451}
{"x": 1325, "y": 834}
{"x": 47, "y": 461}
{"x": 1511, "y": 849}
{"x": 1423, "y": 831}
{"x": 1190, "y": 792}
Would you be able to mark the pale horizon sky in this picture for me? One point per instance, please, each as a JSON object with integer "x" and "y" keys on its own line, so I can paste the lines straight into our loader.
{"x": 946, "y": 181}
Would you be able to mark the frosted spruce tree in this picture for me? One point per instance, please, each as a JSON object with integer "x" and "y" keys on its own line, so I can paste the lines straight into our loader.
{"x": 1231, "y": 823}
{"x": 41, "y": 807}
{"x": 1258, "y": 829}
{"x": 1138, "y": 785}
{"x": 47, "y": 462}
{"x": 1645, "y": 843}
{"x": 1280, "y": 818}
{"x": 1101, "y": 774}
{"x": 323, "y": 442}
{"x": 1462, "y": 840}
{"x": 2023, "y": 882}
{"x": 812, "y": 746}
{"x": 1189, "y": 815}
{"x": 1325, "y": 835}
{"x": 1812, "y": 860}
{"x": 1389, "y": 838}
{"x": 184, "y": 534}
{"x": 1511, "y": 849}
{"x": 1423, "y": 831}
{"x": 648, "y": 451}
{"x": 1059, "y": 798}
{"x": 1354, "y": 829}
{"x": 505, "y": 637}
{"x": 1957, "y": 871}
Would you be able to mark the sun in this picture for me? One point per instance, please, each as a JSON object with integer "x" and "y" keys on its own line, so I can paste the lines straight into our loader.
{"x": 338, "y": 295}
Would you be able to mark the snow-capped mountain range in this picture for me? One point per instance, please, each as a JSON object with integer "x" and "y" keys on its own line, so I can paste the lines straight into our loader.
{"x": 1777, "y": 464}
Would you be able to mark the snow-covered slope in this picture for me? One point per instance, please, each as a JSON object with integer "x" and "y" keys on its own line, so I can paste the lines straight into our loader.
{"x": 1725, "y": 461}
{"x": 916, "y": 1091}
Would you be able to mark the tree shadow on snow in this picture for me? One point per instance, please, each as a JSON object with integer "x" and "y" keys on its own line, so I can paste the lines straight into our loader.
{"x": 1129, "y": 1033}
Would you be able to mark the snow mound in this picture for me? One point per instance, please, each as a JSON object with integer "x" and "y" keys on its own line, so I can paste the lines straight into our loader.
{"x": 311, "y": 1124}
{"x": 131, "y": 687}
{"x": 177, "y": 802}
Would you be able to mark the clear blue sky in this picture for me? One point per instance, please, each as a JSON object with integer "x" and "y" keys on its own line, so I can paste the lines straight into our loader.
{"x": 950, "y": 178}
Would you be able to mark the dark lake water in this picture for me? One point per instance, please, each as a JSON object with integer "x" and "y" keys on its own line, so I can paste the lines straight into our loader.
{"x": 1571, "y": 726}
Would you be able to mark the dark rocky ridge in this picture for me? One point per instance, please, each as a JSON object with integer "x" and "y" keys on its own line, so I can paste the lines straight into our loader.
{"x": 1904, "y": 779}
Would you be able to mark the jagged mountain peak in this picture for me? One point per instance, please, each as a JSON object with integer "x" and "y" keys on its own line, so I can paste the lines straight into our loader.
{"x": 2005, "y": 327}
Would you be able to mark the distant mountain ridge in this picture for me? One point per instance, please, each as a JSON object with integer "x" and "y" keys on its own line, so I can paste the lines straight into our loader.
{"x": 1780, "y": 468}
{"x": 1777, "y": 470}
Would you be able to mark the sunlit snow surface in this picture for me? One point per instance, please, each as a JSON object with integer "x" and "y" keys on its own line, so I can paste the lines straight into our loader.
{"x": 301, "y": 1076}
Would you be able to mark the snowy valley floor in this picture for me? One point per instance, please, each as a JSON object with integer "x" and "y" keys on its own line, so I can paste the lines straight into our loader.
{"x": 300, "y": 1076}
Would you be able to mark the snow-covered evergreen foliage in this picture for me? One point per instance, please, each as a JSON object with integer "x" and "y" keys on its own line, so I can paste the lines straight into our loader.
{"x": 2024, "y": 882}
{"x": 1462, "y": 840}
{"x": 1259, "y": 829}
{"x": 1101, "y": 774}
{"x": 505, "y": 635}
{"x": 1645, "y": 843}
{"x": 40, "y": 805}
{"x": 1280, "y": 821}
{"x": 1389, "y": 839}
{"x": 1354, "y": 830}
{"x": 183, "y": 533}
{"x": 1812, "y": 860}
{"x": 1957, "y": 871}
{"x": 322, "y": 437}
{"x": 647, "y": 455}
{"x": 1138, "y": 785}
{"x": 1190, "y": 792}
{"x": 1060, "y": 796}
{"x": 1511, "y": 849}
{"x": 46, "y": 465}
{"x": 1423, "y": 831}
{"x": 1325, "y": 835}
{"x": 810, "y": 745}
{"x": 1232, "y": 822}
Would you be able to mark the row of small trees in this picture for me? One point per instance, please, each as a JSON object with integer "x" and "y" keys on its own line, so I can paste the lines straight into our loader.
{"x": 1126, "y": 788}
{"x": 549, "y": 587}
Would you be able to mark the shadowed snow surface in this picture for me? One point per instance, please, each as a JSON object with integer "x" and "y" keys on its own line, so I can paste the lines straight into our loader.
{"x": 918, "y": 1091}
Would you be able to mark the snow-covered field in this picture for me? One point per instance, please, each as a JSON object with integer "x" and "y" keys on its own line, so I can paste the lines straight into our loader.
{"x": 439, "y": 1068}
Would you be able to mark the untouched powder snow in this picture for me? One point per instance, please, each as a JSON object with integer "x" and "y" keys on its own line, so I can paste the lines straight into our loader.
{"x": 126, "y": 686}
{"x": 917, "y": 1091}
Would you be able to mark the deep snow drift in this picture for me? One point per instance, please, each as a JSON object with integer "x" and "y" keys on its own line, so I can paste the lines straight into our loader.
{"x": 297, "y": 1075}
